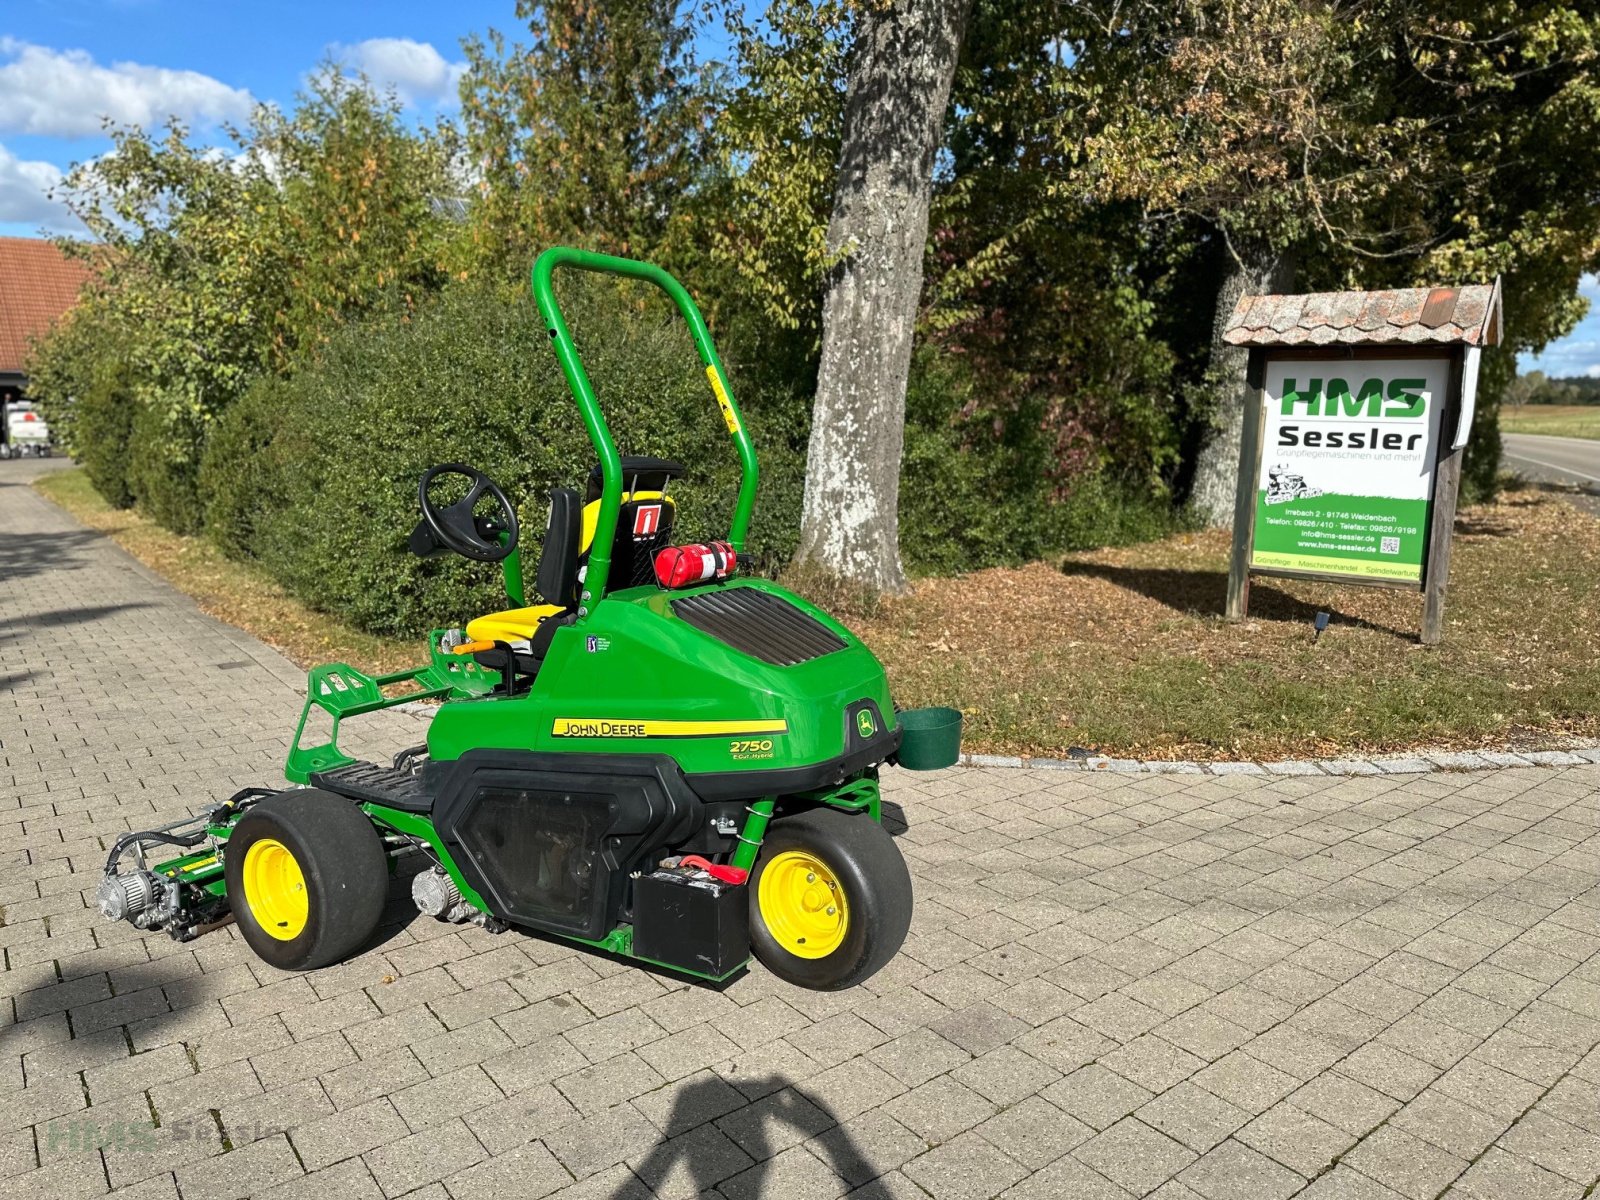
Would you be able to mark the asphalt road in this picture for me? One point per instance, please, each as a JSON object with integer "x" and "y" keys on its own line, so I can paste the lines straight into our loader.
{"x": 1574, "y": 462}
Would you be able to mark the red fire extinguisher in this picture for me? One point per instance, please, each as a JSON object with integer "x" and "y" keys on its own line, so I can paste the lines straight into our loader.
{"x": 683, "y": 566}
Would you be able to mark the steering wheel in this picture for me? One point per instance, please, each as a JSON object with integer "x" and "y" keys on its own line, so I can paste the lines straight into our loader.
{"x": 457, "y": 527}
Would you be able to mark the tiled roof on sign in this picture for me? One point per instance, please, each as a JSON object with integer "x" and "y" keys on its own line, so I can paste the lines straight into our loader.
{"x": 37, "y": 284}
{"x": 1467, "y": 316}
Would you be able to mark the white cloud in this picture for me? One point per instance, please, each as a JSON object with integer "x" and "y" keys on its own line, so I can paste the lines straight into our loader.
{"x": 415, "y": 70}
{"x": 65, "y": 93}
{"x": 24, "y": 199}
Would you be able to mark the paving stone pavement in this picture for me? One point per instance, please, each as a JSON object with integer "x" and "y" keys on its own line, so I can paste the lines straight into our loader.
{"x": 1176, "y": 986}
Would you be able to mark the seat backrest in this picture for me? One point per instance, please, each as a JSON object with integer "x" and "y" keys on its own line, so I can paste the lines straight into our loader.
{"x": 644, "y": 521}
{"x": 558, "y": 561}
{"x": 644, "y": 526}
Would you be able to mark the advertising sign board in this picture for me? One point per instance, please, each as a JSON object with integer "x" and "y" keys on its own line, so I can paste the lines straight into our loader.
{"x": 1345, "y": 481}
{"x": 1357, "y": 408}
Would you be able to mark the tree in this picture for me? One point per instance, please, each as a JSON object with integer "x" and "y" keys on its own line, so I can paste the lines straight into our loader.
{"x": 596, "y": 131}
{"x": 1243, "y": 117}
{"x": 777, "y": 141}
{"x": 214, "y": 266}
{"x": 902, "y": 62}
{"x": 1359, "y": 143}
{"x": 1052, "y": 304}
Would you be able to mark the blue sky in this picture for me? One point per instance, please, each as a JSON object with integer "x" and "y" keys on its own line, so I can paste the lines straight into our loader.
{"x": 66, "y": 63}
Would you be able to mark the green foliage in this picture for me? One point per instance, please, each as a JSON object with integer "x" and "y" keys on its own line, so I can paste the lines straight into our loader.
{"x": 283, "y": 335}
{"x": 86, "y": 388}
{"x": 593, "y": 132}
{"x": 164, "y": 467}
{"x": 978, "y": 493}
{"x": 778, "y": 140}
{"x": 216, "y": 267}
{"x": 242, "y": 474}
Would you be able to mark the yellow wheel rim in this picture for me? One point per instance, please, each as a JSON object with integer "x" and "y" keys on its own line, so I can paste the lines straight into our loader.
{"x": 275, "y": 889}
{"x": 803, "y": 904}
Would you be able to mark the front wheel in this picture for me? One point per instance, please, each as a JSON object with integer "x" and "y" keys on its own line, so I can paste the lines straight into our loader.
{"x": 830, "y": 899}
{"x": 306, "y": 877}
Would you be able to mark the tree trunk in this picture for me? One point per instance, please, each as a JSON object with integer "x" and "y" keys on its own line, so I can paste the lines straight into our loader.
{"x": 904, "y": 59}
{"x": 1216, "y": 473}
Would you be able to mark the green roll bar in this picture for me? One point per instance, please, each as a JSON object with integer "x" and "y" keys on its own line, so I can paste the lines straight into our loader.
{"x": 594, "y": 584}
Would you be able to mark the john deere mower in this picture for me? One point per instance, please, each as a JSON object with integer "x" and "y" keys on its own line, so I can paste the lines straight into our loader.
{"x": 663, "y": 758}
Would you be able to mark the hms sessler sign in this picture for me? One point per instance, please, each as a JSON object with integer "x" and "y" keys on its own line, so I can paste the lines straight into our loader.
{"x": 1346, "y": 470}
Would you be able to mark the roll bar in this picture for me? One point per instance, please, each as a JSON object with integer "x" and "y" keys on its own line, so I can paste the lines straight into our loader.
{"x": 594, "y": 420}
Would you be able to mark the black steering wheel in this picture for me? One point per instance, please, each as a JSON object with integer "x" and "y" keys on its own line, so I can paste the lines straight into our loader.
{"x": 458, "y": 527}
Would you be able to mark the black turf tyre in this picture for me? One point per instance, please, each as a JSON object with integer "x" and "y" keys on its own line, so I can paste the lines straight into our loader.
{"x": 872, "y": 877}
{"x": 344, "y": 869}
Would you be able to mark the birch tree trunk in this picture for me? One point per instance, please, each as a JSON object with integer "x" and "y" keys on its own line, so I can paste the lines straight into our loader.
{"x": 904, "y": 60}
{"x": 1216, "y": 474}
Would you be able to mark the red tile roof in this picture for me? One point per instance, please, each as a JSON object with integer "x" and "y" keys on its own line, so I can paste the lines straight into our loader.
{"x": 1406, "y": 316}
{"x": 37, "y": 284}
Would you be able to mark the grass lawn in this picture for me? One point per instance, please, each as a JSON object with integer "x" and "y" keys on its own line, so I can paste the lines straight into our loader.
{"x": 1125, "y": 651}
{"x": 1556, "y": 420}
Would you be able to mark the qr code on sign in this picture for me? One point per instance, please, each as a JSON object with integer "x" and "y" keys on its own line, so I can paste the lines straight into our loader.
{"x": 1389, "y": 546}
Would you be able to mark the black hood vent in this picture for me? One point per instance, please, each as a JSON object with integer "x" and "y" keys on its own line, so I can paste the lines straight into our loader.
{"x": 760, "y": 624}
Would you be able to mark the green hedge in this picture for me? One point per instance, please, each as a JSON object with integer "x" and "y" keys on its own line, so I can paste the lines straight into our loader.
{"x": 316, "y": 477}
{"x": 164, "y": 466}
{"x": 99, "y": 431}
{"x": 970, "y": 498}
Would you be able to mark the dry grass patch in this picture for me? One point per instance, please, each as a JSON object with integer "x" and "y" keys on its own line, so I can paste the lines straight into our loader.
{"x": 1125, "y": 651}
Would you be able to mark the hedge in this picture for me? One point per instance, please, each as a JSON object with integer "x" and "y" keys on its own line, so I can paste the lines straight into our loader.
{"x": 316, "y": 477}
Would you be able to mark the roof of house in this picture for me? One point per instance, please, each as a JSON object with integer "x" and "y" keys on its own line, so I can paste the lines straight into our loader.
{"x": 1407, "y": 316}
{"x": 37, "y": 284}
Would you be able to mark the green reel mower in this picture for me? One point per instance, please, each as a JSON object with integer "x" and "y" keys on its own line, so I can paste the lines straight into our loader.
{"x": 661, "y": 758}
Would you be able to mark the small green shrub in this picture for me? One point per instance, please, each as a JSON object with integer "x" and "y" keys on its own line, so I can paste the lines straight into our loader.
{"x": 100, "y": 430}
{"x": 163, "y": 467}
{"x": 972, "y": 498}
{"x": 241, "y": 471}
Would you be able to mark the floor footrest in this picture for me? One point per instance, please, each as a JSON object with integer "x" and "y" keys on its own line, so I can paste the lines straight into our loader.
{"x": 375, "y": 784}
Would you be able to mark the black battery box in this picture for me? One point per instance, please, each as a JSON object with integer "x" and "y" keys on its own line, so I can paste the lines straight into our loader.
{"x": 686, "y": 919}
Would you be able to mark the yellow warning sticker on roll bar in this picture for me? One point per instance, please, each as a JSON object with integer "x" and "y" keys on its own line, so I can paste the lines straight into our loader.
{"x": 726, "y": 405}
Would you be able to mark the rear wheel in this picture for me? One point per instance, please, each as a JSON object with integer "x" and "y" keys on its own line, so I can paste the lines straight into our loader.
{"x": 307, "y": 879}
{"x": 830, "y": 899}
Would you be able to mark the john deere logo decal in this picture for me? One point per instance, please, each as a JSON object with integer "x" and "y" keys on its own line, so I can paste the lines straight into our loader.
{"x": 865, "y": 725}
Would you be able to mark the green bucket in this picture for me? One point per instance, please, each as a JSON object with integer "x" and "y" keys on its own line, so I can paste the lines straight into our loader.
{"x": 930, "y": 738}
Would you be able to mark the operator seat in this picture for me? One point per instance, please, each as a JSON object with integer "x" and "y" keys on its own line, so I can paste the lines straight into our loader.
{"x": 644, "y": 526}
{"x": 557, "y": 583}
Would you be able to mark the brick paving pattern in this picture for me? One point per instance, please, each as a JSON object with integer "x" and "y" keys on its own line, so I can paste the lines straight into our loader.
{"x": 1116, "y": 985}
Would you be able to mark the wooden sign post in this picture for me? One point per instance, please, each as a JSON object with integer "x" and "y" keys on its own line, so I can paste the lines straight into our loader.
{"x": 1357, "y": 409}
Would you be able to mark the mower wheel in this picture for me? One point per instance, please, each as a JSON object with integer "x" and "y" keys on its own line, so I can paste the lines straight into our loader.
{"x": 307, "y": 878}
{"x": 830, "y": 899}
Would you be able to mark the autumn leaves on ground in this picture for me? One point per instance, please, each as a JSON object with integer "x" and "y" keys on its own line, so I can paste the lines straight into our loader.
{"x": 1125, "y": 651}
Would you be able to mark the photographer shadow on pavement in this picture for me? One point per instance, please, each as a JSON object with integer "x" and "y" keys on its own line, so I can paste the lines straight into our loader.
{"x": 739, "y": 1151}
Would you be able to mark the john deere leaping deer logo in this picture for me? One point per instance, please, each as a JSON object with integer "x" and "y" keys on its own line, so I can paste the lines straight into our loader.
{"x": 865, "y": 725}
